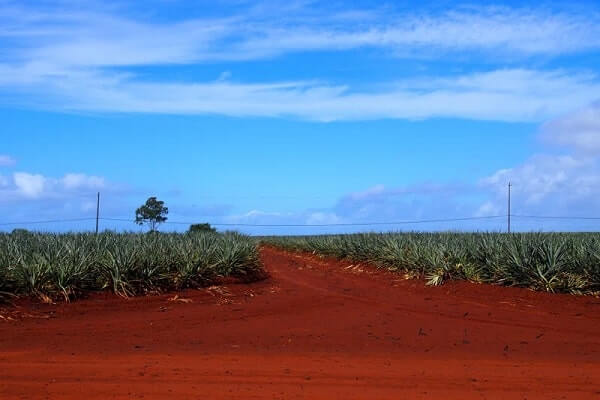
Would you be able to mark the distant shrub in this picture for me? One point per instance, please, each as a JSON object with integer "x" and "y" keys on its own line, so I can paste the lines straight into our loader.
{"x": 201, "y": 228}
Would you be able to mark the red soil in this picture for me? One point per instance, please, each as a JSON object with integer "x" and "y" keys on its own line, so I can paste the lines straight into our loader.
{"x": 315, "y": 329}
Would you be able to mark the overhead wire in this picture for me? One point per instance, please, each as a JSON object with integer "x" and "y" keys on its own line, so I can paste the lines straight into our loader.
{"x": 326, "y": 225}
{"x": 373, "y": 223}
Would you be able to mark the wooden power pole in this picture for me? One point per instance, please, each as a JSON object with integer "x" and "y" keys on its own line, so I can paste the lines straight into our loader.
{"x": 97, "y": 211}
{"x": 508, "y": 214}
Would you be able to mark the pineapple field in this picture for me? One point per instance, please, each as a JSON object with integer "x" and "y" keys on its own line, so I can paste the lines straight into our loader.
{"x": 66, "y": 266}
{"x": 554, "y": 262}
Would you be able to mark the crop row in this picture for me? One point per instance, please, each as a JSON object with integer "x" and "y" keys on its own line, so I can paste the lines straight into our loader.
{"x": 66, "y": 265}
{"x": 556, "y": 262}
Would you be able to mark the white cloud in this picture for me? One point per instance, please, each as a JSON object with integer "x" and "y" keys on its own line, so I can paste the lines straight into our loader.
{"x": 579, "y": 130}
{"x": 62, "y": 61}
{"x": 7, "y": 161}
{"x": 488, "y": 208}
{"x": 320, "y": 217}
{"x": 368, "y": 193}
{"x": 408, "y": 202}
{"x": 38, "y": 197}
{"x": 544, "y": 179}
{"x": 102, "y": 38}
{"x": 505, "y": 95}
{"x": 381, "y": 205}
{"x": 29, "y": 185}
{"x": 543, "y": 185}
{"x": 257, "y": 216}
{"x": 565, "y": 184}
{"x": 82, "y": 181}
{"x": 310, "y": 217}
{"x": 87, "y": 206}
{"x": 518, "y": 32}
{"x": 71, "y": 199}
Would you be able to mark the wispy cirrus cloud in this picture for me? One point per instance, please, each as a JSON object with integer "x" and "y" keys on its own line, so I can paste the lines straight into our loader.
{"x": 66, "y": 61}
{"x": 505, "y": 31}
{"x": 502, "y": 95}
{"x": 97, "y": 36}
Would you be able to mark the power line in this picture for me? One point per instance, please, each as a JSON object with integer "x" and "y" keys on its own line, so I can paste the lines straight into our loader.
{"x": 421, "y": 221}
{"x": 49, "y": 221}
{"x": 376, "y": 223}
{"x": 554, "y": 217}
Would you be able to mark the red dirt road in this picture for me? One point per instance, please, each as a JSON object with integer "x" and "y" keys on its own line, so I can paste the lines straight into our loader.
{"x": 315, "y": 329}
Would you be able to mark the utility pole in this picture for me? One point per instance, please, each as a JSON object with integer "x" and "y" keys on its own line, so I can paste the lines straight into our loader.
{"x": 508, "y": 214}
{"x": 97, "y": 212}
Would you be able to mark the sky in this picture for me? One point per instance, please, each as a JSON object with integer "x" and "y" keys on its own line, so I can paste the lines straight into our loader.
{"x": 300, "y": 113}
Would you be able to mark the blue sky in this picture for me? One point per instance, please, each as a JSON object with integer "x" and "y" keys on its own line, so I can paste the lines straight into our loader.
{"x": 299, "y": 112}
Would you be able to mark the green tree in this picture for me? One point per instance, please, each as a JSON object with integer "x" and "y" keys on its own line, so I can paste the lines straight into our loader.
{"x": 153, "y": 213}
{"x": 201, "y": 228}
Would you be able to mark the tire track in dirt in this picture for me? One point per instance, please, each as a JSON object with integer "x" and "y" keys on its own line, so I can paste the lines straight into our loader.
{"x": 389, "y": 289}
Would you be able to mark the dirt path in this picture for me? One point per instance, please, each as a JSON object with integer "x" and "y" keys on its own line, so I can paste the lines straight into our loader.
{"x": 316, "y": 329}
